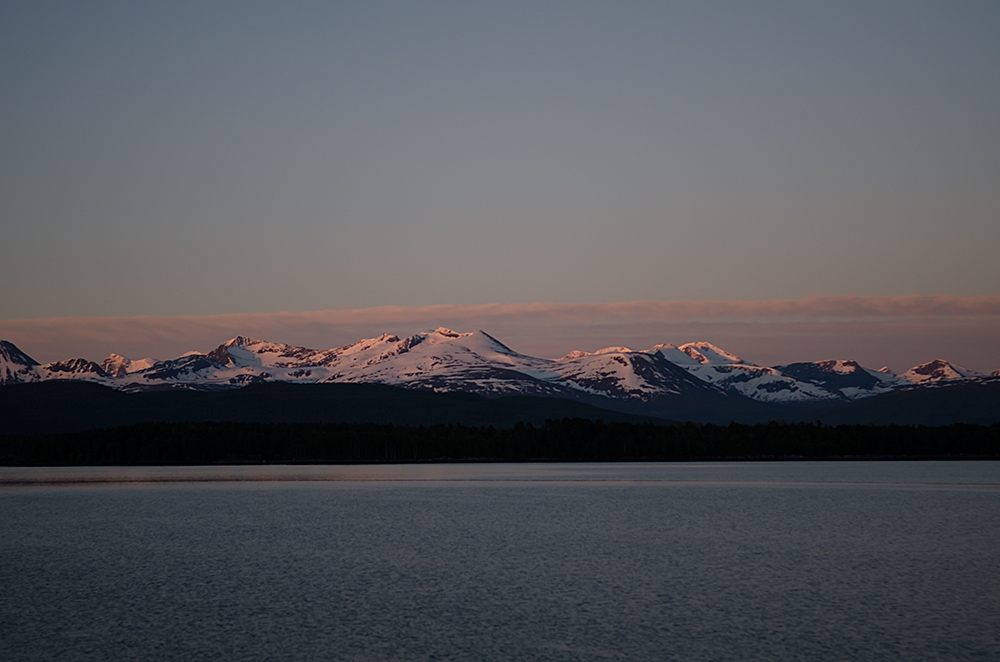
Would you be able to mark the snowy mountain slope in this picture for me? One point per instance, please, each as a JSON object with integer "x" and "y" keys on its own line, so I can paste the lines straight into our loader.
{"x": 762, "y": 384}
{"x": 438, "y": 360}
{"x": 16, "y": 367}
{"x": 675, "y": 355}
{"x": 190, "y": 370}
{"x": 117, "y": 365}
{"x": 243, "y": 360}
{"x": 242, "y": 352}
{"x": 734, "y": 375}
{"x": 75, "y": 369}
{"x": 847, "y": 378}
{"x": 938, "y": 370}
{"x": 706, "y": 353}
{"x": 444, "y": 360}
{"x": 618, "y": 372}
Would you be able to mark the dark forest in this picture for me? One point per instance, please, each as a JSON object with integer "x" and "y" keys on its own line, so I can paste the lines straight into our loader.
{"x": 556, "y": 440}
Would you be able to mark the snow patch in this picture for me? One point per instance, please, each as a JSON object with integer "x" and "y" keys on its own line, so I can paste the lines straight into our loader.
{"x": 938, "y": 370}
{"x": 705, "y": 352}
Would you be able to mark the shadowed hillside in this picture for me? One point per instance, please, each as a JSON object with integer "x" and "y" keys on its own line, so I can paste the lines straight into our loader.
{"x": 52, "y": 407}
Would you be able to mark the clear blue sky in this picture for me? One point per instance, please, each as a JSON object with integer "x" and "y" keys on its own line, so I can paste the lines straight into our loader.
{"x": 199, "y": 158}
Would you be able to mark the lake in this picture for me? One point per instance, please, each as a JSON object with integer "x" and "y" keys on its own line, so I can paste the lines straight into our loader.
{"x": 720, "y": 561}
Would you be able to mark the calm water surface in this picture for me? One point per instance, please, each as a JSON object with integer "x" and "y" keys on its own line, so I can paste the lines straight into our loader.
{"x": 872, "y": 560}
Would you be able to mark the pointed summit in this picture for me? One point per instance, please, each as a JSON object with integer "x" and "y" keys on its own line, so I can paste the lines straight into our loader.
{"x": 237, "y": 351}
{"x": 16, "y": 366}
{"x": 11, "y": 353}
{"x": 117, "y": 365}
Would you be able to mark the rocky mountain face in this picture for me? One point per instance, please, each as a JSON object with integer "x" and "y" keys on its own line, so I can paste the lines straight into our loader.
{"x": 443, "y": 360}
{"x": 848, "y": 379}
{"x": 15, "y": 366}
{"x": 117, "y": 365}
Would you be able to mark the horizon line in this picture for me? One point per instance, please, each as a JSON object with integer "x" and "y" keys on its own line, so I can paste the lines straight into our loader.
{"x": 896, "y": 331}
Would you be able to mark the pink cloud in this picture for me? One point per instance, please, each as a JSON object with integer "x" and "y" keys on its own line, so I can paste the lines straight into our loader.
{"x": 899, "y": 331}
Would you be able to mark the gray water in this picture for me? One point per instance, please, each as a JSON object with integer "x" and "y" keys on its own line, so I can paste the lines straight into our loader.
{"x": 834, "y": 561}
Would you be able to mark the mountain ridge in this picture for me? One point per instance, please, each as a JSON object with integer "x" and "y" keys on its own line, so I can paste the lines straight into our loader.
{"x": 693, "y": 381}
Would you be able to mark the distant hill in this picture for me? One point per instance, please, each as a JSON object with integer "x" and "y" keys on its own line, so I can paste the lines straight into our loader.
{"x": 52, "y": 407}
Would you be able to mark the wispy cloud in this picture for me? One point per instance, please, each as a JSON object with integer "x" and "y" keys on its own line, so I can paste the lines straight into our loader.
{"x": 898, "y": 331}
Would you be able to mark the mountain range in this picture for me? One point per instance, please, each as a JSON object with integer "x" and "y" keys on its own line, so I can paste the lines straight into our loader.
{"x": 694, "y": 381}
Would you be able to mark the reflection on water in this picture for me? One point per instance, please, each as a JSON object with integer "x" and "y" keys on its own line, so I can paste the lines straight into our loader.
{"x": 982, "y": 473}
{"x": 874, "y": 560}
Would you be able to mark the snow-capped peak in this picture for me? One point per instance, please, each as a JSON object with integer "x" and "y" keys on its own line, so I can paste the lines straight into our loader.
{"x": 707, "y": 353}
{"x": 15, "y": 365}
{"x": 886, "y": 370}
{"x": 938, "y": 370}
{"x": 11, "y": 353}
{"x": 247, "y": 341}
{"x": 615, "y": 349}
{"x": 478, "y": 342}
{"x": 575, "y": 354}
{"x": 665, "y": 345}
{"x": 697, "y": 353}
{"x": 674, "y": 354}
{"x": 843, "y": 377}
{"x": 579, "y": 353}
{"x": 246, "y": 351}
{"x": 72, "y": 369}
{"x": 845, "y": 367}
{"x": 117, "y": 365}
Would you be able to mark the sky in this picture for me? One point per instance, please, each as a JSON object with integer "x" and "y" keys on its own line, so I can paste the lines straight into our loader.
{"x": 179, "y": 161}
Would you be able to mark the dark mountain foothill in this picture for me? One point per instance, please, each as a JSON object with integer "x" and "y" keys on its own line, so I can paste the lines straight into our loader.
{"x": 54, "y": 407}
{"x": 971, "y": 402}
{"x": 70, "y": 423}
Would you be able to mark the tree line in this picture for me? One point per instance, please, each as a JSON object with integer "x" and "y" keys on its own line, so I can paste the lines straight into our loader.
{"x": 556, "y": 440}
